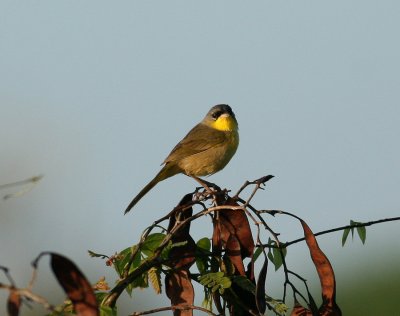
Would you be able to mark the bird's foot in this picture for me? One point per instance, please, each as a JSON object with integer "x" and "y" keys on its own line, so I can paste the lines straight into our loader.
{"x": 208, "y": 186}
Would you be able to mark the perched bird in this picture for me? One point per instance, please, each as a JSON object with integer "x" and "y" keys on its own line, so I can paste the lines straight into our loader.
{"x": 205, "y": 150}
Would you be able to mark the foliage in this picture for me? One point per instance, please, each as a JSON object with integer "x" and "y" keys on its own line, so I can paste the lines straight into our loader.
{"x": 361, "y": 231}
{"x": 170, "y": 256}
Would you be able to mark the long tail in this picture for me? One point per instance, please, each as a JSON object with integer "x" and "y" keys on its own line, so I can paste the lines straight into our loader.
{"x": 166, "y": 172}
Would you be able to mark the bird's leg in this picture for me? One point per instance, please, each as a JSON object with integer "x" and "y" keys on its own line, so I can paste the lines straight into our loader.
{"x": 206, "y": 185}
{"x": 203, "y": 183}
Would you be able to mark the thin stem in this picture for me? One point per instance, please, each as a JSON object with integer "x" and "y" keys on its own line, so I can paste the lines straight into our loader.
{"x": 22, "y": 182}
{"x": 168, "y": 308}
{"x": 392, "y": 219}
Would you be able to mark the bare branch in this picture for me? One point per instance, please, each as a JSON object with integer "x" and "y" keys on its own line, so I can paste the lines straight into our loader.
{"x": 392, "y": 219}
{"x": 168, "y": 308}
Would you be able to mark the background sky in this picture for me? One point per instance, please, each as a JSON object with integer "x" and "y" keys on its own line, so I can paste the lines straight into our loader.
{"x": 94, "y": 95}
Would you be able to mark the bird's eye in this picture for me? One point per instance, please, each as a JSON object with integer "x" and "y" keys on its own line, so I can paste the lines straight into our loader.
{"x": 216, "y": 114}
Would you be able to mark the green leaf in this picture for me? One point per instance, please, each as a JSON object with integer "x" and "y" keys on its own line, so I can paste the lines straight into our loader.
{"x": 215, "y": 288}
{"x": 154, "y": 276}
{"x": 275, "y": 256}
{"x": 277, "y": 306}
{"x": 204, "y": 244}
{"x": 100, "y": 296}
{"x": 108, "y": 311}
{"x": 179, "y": 244}
{"x": 169, "y": 246}
{"x": 362, "y": 233}
{"x": 121, "y": 264}
{"x": 202, "y": 265}
{"x": 123, "y": 258}
{"x": 225, "y": 283}
{"x": 345, "y": 235}
{"x": 97, "y": 255}
{"x": 136, "y": 260}
{"x": 141, "y": 281}
{"x": 151, "y": 243}
{"x": 271, "y": 256}
{"x": 165, "y": 252}
{"x": 216, "y": 281}
{"x": 257, "y": 253}
{"x": 202, "y": 252}
{"x": 278, "y": 260}
{"x": 352, "y": 229}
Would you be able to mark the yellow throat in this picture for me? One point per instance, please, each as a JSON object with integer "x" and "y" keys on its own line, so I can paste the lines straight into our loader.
{"x": 225, "y": 123}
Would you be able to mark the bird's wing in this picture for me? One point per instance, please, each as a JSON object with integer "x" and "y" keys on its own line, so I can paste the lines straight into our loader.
{"x": 200, "y": 138}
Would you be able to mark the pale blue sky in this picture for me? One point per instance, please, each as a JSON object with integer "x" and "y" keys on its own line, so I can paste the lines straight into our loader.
{"x": 95, "y": 94}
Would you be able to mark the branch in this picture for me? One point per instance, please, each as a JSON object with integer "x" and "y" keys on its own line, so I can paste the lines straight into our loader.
{"x": 22, "y": 182}
{"x": 155, "y": 260}
{"x": 33, "y": 181}
{"x": 244, "y": 205}
{"x": 27, "y": 293}
{"x": 392, "y": 219}
{"x": 168, "y": 308}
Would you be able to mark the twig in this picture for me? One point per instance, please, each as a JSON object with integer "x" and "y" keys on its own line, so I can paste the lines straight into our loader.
{"x": 28, "y": 294}
{"x": 254, "y": 214}
{"x": 275, "y": 235}
{"x": 32, "y": 181}
{"x": 111, "y": 298}
{"x": 255, "y": 211}
{"x": 22, "y": 182}
{"x": 8, "y": 275}
{"x": 156, "y": 223}
{"x": 168, "y": 308}
{"x": 392, "y": 219}
{"x": 258, "y": 182}
{"x": 305, "y": 285}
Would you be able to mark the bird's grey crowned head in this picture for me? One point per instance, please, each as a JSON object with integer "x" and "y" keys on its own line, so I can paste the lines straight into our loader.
{"x": 221, "y": 117}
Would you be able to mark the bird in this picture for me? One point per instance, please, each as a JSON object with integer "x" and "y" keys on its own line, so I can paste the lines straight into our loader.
{"x": 205, "y": 150}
